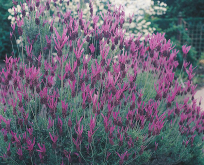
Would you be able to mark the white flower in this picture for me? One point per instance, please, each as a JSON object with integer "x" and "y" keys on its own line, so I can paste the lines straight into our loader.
{"x": 85, "y": 11}
{"x": 26, "y": 7}
{"x": 142, "y": 38}
{"x": 148, "y": 23}
{"x": 164, "y": 9}
{"x": 101, "y": 8}
{"x": 56, "y": 19}
{"x": 9, "y": 17}
{"x": 18, "y": 8}
{"x": 163, "y": 4}
{"x": 127, "y": 34}
{"x": 143, "y": 21}
{"x": 98, "y": 24}
{"x": 132, "y": 25}
{"x": 9, "y": 10}
{"x": 13, "y": 19}
{"x": 156, "y": 7}
{"x": 139, "y": 27}
{"x": 18, "y": 41}
{"x": 126, "y": 24}
{"x": 86, "y": 57}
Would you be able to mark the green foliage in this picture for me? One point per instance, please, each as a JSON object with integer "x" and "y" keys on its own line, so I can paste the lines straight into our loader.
{"x": 189, "y": 8}
{"x": 5, "y": 44}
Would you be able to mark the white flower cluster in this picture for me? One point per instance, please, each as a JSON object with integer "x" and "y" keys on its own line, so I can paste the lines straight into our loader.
{"x": 18, "y": 11}
{"x": 138, "y": 25}
{"x": 157, "y": 9}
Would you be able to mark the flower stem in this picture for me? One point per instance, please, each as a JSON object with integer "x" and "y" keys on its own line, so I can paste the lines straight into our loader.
{"x": 22, "y": 49}
{"x": 105, "y": 148}
{"x": 35, "y": 106}
{"x": 78, "y": 82}
{"x": 13, "y": 49}
{"x": 40, "y": 41}
{"x": 61, "y": 78}
{"x": 56, "y": 156}
{"x": 92, "y": 152}
{"x": 17, "y": 44}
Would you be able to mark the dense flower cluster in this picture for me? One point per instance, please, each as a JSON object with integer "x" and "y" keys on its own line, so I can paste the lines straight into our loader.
{"x": 118, "y": 111}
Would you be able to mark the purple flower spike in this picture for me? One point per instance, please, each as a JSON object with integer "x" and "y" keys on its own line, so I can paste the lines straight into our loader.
{"x": 92, "y": 48}
{"x": 122, "y": 156}
{"x": 185, "y": 50}
{"x": 54, "y": 140}
{"x": 20, "y": 153}
{"x": 42, "y": 149}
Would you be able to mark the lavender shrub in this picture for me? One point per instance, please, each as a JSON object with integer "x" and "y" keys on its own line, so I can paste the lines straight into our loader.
{"x": 86, "y": 108}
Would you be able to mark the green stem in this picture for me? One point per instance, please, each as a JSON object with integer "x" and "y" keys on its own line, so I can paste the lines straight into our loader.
{"x": 53, "y": 127}
{"x": 35, "y": 106}
{"x": 50, "y": 60}
{"x": 81, "y": 153}
{"x": 17, "y": 44}
{"x": 105, "y": 148}
{"x": 22, "y": 48}
{"x": 56, "y": 156}
{"x": 71, "y": 137}
{"x": 32, "y": 160}
{"x": 13, "y": 49}
{"x": 78, "y": 82}
{"x": 40, "y": 41}
{"x": 61, "y": 78}
{"x": 92, "y": 153}
{"x": 181, "y": 75}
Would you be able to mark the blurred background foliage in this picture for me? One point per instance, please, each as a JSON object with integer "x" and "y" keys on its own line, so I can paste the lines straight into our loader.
{"x": 5, "y": 28}
{"x": 5, "y": 44}
{"x": 189, "y": 8}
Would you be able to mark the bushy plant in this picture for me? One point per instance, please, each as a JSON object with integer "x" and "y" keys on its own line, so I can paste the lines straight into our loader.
{"x": 83, "y": 107}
